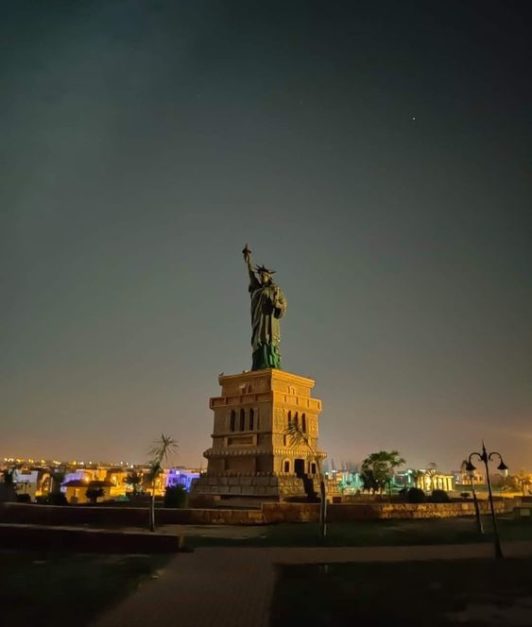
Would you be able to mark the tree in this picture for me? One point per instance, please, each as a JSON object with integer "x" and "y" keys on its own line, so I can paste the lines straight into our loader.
{"x": 134, "y": 479}
{"x": 160, "y": 453}
{"x": 9, "y": 477}
{"x": 415, "y": 476}
{"x": 510, "y": 483}
{"x": 58, "y": 476}
{"x": 379, "y": 468}
{"x": 465, "y": 473}
{"x": 296, "y": 437}
{"x": 524, "y": 480}
{"x": 7, "y": 486}
{"x": 93, "y": 493}
{"x": 369, "y": 484}
{"x": 431, "y": 472}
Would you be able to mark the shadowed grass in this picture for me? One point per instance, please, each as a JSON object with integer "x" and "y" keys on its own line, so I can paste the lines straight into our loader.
{"x": 367, "y": 533}
{"x": 418, "y": 594}
{"x": 67, "y": 589}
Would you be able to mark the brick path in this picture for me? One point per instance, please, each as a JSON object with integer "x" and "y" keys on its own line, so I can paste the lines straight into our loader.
{"x": 232, "y": 587}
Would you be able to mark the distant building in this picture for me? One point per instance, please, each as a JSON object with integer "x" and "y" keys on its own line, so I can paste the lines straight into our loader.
{"x": 34, "y": 482}
{"x": 181, "y": 477}
{"x": 158, "y": 487}
{"x": 435, "y": 481}
{"x": 462, "y": 477}
{"x": 347, "y": 482}
{"x": 74, "y": 478}
{"x": 111, "y": 479}
{"x": 75, "y": 491}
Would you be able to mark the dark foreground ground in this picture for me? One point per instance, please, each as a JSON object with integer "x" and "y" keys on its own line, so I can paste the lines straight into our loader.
{"x": 61, "y": 589}
{"x": 67, "y": 589}
{"x": 477, "y": 593}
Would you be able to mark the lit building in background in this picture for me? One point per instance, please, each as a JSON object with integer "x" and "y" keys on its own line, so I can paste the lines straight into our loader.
{"x": 181, "y": 477}
{"x": 34, "y": 483}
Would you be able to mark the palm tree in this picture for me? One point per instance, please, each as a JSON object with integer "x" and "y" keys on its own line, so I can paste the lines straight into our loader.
{"x": 297, "y": 437}
{"x": 431, "y": 472}
{"x": 416, "y": 475}
{"x": 463, "y": 470}
{"x": 160, "y": 452}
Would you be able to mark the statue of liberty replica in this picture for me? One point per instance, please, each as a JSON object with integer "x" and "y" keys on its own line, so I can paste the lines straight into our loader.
{"x": 268, "y": 305}
{"x": 253, "y": 456}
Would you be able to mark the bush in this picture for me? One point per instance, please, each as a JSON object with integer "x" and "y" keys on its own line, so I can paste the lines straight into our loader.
{"x": 23, "y": 498}
{"x": 415, "y": 495}
{"x": 56, "y": 498}
{"x": 439, "y": 496}
{"x": 402, "y": 495}
{"x": 175, "y": 497}
{"x": 465, "y": 495}
{"x": 93, "y": 493}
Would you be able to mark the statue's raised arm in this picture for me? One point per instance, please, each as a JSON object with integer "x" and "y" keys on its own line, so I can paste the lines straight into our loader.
{"x": 253, "y": 280}
{"x": 268, "y": 305}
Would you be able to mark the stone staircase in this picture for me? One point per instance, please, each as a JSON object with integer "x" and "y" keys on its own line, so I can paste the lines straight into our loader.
{"x": 308, "y": 484}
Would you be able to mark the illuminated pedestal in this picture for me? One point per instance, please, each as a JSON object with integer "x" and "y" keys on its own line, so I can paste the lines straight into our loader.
{"x": 251, "y": 454}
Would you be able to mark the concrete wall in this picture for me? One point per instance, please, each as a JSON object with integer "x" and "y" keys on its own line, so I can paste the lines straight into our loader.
{"x": 42, "y": 537}
{"x": 122, "y": 516}
{"x": 341, "y": 512}
{"x": 270, "y": 513}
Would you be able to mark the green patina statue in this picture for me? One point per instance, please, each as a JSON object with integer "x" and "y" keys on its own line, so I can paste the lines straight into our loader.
{"x": 268, "y": 305}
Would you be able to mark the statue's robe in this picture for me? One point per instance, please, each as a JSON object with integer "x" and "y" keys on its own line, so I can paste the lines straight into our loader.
{"x": 268, "y": 305}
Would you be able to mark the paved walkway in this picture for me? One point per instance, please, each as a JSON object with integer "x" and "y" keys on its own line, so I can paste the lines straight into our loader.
{"x": 233, "y": 587}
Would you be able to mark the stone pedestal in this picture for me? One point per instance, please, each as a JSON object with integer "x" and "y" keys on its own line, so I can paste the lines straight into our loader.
{"x": 251, "y": 453}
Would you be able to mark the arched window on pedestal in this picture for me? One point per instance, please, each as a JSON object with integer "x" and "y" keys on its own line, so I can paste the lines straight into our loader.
{"x": 251, "y": 419}
{"x": 232, "y": 421}
{"x": 242, "y": 420}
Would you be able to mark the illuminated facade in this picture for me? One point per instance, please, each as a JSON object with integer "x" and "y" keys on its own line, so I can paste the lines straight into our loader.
{"x": 251, "y": 453}
{"x": 33, "y": 482}
{"x": 181, "y": 477}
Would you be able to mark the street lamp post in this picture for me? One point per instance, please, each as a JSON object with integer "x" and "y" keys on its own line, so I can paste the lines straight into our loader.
{"x": 486, "y": 457}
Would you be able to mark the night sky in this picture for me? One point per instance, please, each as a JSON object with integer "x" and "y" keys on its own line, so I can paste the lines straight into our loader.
{"x": 376, "y": 154}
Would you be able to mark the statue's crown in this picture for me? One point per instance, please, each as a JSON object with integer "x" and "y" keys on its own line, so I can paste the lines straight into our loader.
{"x": 261, "y": 269}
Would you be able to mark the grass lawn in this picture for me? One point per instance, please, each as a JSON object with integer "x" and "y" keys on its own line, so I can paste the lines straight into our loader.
{"x": 67, "y": 589}
{"x": 361, "y": 533}
{"x": 415, "y": 594}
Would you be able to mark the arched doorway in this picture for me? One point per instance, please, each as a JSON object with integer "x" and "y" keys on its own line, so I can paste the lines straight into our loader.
{"x": 299, "y": 467}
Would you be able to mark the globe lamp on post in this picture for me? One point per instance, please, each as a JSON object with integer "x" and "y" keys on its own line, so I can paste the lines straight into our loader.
{"x": 485, "y": 458}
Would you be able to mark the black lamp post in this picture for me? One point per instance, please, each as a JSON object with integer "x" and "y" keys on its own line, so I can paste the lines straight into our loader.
{"x": 486, "y": 457}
